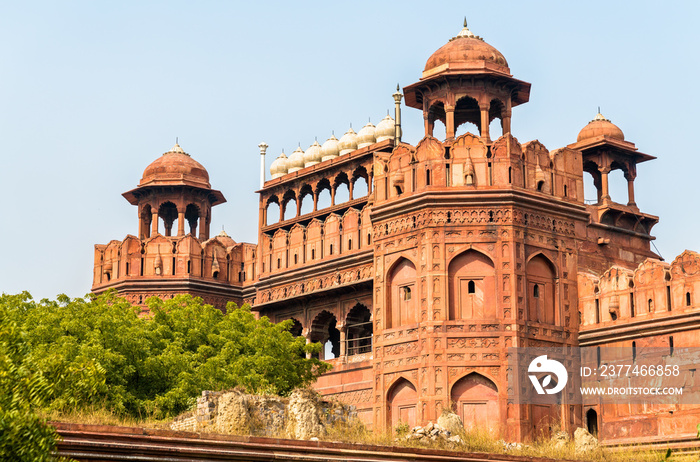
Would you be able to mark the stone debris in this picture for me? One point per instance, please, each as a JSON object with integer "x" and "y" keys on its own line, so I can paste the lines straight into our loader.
{"x": 584, "y": 442}
{"x": 512, "y": 446}
{"x": 451, "y": 422}
{"x": 432, "y": 432}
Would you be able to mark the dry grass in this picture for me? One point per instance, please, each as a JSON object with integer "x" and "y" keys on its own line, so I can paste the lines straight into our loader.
{"x": 104, "y": 417}
{"x": 483, "y": 441}
{"x": 357, "y": 433}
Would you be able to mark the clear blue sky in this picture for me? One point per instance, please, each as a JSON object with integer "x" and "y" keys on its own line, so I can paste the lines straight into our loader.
{"x": 92, "y": 92}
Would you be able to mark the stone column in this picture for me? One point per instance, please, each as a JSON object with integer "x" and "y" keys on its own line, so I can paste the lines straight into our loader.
{"x": 343, "y": 347}
{"x": 429, "y": 126}
{"x": 180, "y": 223}
{"x": 604, "y": 180}
{"x": 630, "y": 190}
{"x": 485, "y": 121}
{"x": 450, "y": 119}
{"x": 154, "y": 222}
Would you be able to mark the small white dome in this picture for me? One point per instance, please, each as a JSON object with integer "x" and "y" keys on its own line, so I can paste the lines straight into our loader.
{"x": 329, "y": 150}
{"x": 295, "y": 161}
{"x": 313, "y": 155}
{"x": 365, "y": 137}
{"x": 347, "y": 142}
{"x": 279, "y": 167}
{"x": 385, "y": 129}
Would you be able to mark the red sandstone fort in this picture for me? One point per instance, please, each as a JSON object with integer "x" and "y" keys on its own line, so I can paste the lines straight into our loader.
{"x": 419, "y": 266}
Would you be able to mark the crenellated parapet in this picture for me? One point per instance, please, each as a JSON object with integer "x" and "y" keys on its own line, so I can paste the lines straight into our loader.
{"x": 654, "y": 292}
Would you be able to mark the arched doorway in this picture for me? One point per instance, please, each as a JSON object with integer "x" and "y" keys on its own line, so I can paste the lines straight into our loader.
{"x": 476, "y": 401}
{"x": 592, "y": 422}
{"x": 402, "y": 402}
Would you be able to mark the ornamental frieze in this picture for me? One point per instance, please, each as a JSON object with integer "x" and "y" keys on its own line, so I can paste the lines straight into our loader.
{"x": 488, "y": 216}
{"x": 317, "y": 283}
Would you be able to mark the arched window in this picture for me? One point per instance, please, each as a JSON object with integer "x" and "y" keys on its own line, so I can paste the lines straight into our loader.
{"x": 359, "y": 331}
{"x": 472, "y": 282}
{"x": 540, "y": 280}
{"x": 323, "y": 330}
{"x": 400, "y": 303}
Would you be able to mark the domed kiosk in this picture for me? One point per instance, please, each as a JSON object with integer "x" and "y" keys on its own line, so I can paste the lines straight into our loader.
{"x": 489, "y": 92}
{"x": 174, "y": 187}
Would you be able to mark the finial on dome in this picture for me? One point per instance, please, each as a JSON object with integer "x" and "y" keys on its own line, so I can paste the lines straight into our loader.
{"x": 466, "y": 33}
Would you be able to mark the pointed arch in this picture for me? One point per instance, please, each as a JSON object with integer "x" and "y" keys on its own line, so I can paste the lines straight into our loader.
{"x": 475, "y": 399}
{"x": 401, "y": 294}
{"x": 541, "y": 274}
{"x": 472, "y": 282}
{"x": 323, "y": 330}
{"x": 402, "y": 403}
{"x": 359, "y": 330}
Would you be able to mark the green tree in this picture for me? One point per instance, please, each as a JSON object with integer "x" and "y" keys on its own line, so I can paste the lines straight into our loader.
{"x": 24, "y": 435}
{"x": 98, "y": 352}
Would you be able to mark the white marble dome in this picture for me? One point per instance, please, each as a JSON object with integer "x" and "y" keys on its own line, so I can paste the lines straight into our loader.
{"x": 329, "y": 150}
{"x": 313, "y": 155}
{"x": 385, "y": 129}
{"x": 295, "y": 161}
{"x": 279, "y": 167}
{"x": 365, "y": 137}
{"x": 347, "y": 142}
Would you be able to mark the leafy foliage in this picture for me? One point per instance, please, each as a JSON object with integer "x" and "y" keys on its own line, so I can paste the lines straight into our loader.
{"x": 98, "y": 352}
{"x": 24, "y": 435}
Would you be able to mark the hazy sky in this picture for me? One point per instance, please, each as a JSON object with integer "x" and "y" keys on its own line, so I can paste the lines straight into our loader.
{"x": 92, "y": 92}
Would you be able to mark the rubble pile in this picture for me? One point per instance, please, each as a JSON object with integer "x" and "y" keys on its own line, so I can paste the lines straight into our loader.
{"x": 432, "y": 432}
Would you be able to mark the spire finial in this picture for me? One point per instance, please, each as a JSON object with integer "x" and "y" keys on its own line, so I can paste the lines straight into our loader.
{"x": 397, "y": 87}
{"x": 598, "y": 109}
{"x": 176, "y": 141}
{"x": 465, "y": 21}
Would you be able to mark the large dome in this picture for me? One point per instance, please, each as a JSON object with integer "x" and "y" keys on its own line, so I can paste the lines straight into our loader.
{"x": 600, "y": 126}
{"x": 175, "y": 167}
{"x": 466, "y": 52}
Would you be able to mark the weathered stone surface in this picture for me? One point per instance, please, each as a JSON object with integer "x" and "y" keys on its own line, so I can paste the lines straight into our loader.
{"x": 584, "y": 441}
{"x": 304, "y": 419}
{"x": 451, "y": 422}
